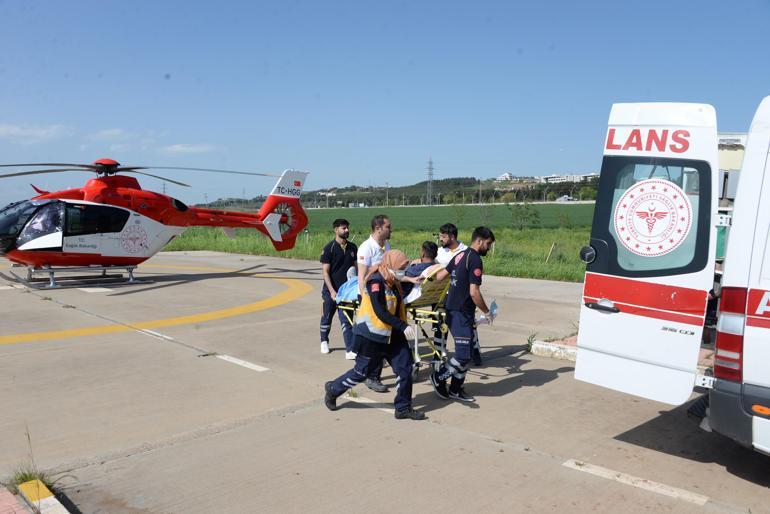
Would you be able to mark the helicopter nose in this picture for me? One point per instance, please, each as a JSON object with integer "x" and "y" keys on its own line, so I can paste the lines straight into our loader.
{"x": 6, "y": 244}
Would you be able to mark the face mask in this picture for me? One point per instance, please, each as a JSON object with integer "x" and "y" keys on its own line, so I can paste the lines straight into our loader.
{"x": 399, "y": 274}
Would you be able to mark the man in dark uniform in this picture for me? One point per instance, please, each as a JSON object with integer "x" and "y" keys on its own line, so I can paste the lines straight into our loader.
{"x": 463, "y": 297}
{"x": 337, "y": 257}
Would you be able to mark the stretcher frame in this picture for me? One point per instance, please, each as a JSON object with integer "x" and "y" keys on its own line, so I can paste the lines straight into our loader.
{"x": 429, "y": 310}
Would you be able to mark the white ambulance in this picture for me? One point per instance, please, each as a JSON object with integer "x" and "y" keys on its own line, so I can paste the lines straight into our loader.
{"x": 650, "y": 267}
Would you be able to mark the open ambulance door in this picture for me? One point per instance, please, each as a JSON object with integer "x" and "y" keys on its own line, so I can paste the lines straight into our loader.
{"x": 650, "y": 264}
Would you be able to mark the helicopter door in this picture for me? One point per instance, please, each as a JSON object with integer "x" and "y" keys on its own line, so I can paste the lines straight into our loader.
{"x": 650, "y": 265}
{"x": 44, "y": 230}
{"x": 82, "y": 232}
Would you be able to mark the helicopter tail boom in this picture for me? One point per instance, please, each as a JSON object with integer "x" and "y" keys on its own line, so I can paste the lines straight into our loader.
{"x": 282, "y": 215}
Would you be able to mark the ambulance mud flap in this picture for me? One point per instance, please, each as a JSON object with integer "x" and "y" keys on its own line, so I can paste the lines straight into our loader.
{"x": 653, "y": 246}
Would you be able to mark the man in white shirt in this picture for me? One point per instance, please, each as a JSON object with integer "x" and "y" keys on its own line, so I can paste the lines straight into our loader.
{"x": 450, "y": 246}
{"x": 371, "y": 251}
{"x": 369, "y": 257}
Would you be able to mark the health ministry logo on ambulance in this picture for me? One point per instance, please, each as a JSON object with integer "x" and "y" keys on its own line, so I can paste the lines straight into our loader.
{"x": 653, "y": 217}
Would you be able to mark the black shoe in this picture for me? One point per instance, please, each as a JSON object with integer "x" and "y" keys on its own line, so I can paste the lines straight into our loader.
{"x": 410, "y": 413}
{"x": 461, "y": 396}
{"x": 375, "y": 385}
{"x": 329, "y": 399}
{"x": 438, "y": 386}
{"x": 476, "y": 356}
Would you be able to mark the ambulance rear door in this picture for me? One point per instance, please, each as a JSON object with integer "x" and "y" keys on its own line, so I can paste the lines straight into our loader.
{"x": 650, "y": 263}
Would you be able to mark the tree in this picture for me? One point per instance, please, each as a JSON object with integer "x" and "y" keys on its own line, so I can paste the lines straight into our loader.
{"x": 485, "y": 213}
{"x": 459, "y": 212}
{"x": 587, "y": 193}
{"x": 524, "y": 215}
{"x": 508, "y": 197}
{"x": 551, "y": 196}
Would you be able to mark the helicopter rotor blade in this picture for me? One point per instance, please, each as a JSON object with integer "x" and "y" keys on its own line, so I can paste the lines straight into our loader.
{"x": 209, "y": 170}
{"x": 70, "y": 165}
{"x": 154, "y": 176}
{"x": 36, "y": 172}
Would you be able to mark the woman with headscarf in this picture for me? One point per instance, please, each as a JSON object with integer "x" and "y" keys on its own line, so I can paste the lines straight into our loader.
{"x": 381, "y": 332}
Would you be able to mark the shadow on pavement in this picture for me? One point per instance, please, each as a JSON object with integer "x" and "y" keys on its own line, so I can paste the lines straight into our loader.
{"x": 163, "y": 281}
{"x": 672, "y": 432}
{"x": 501, "y": 374}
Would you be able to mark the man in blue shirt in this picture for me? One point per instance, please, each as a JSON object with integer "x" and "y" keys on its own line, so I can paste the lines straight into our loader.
{"x": 463, "y": 297}
{"x": 427, "y": 259}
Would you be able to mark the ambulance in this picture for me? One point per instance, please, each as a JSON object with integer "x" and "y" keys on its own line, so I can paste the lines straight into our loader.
{"x": 650, "y": 267}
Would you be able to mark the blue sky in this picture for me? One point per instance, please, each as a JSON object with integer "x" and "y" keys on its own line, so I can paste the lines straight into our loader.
{"x": 356, "y": 92}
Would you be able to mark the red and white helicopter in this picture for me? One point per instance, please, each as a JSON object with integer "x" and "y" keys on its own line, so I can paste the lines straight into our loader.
{"x": 112, "y": 222}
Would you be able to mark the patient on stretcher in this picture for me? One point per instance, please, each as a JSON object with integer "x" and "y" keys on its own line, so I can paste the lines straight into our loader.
{"x": 348, "y": 292}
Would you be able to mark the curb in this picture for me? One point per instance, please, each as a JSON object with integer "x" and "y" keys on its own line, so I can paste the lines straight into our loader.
{"x": 39, "y": 497}
{"x": 554, "y": 350}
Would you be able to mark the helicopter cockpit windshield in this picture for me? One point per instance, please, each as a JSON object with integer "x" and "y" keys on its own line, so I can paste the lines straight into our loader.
{"x": 47, "y": 220}
{"x": 15, "y": 216}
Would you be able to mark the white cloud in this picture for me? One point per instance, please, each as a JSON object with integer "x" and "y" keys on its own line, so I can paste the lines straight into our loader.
{"x": 185, "y": 148}
{"x": 32, "y": 134}
{"x": 119, "y": 147}
{"x": 111, "y": 134}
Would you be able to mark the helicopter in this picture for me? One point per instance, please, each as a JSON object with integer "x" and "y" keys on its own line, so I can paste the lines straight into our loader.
{"x": 112, "y": 222}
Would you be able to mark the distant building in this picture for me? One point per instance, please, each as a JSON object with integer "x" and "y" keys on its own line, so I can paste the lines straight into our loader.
{"x": 505, "y": 177}
{"x": 560, "y": 179}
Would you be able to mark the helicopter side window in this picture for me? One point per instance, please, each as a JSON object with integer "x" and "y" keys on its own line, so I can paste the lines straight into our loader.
{"x": 47, "y": 220}
{"x": 94, "y": 219}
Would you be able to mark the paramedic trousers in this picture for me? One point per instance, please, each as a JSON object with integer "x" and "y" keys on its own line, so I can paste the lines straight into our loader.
{"x": 329, "y": 308}
{"x": 369, "y": 357}
{"x": 461, "y": 327}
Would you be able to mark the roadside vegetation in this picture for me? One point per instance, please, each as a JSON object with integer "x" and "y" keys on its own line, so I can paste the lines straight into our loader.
{"x": 533, "y": 241}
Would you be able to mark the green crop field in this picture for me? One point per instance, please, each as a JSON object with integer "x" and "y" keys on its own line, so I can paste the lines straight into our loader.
{"x": 518, "y": 252}
{"x": 464, "y": 216}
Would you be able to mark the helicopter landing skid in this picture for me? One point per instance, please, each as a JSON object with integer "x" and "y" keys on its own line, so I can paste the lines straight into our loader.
{"x": 49, "y": 281}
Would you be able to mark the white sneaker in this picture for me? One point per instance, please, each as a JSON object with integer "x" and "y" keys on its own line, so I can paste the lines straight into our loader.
{"x": 324, "y": 346}
{"x": 351, "y": 356}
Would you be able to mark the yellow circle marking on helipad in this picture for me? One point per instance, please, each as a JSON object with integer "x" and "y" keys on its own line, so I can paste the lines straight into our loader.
{"x": 294, "y": 289}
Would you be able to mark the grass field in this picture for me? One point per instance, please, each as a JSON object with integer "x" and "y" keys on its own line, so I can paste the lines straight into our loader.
{"x": 496, "y": 216}
{"x": 517, "y": 253}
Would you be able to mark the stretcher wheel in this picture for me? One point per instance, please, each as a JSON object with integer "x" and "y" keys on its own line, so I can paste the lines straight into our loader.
{"x": 444, "y": 328}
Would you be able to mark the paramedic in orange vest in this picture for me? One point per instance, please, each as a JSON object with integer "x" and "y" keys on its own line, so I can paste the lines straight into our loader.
{"x": 381, "y": 332}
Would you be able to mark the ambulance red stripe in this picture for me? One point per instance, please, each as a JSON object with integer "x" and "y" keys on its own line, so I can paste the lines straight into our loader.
{"x": 753, "y": 321}
{"x": 637, "y": 310}
{"x": 646, "y": 297}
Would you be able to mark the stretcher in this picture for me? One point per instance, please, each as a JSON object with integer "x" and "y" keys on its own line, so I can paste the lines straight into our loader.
{"x": 424, "y": 307}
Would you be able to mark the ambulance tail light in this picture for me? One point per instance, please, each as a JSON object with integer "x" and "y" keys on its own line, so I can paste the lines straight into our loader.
{"x": 728, "y": 362}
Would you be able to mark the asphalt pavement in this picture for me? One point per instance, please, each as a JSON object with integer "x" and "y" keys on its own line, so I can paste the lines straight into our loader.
{"x": 201, "y": 391}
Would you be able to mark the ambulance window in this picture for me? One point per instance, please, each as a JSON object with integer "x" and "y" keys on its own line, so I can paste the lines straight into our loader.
{"x": 94, "y": 219}
{"x": 653, "y": 216}
{"x": 45, "y": 221}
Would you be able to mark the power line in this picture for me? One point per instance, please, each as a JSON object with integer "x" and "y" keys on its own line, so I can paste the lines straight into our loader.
{"x": 430, "y": 181}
